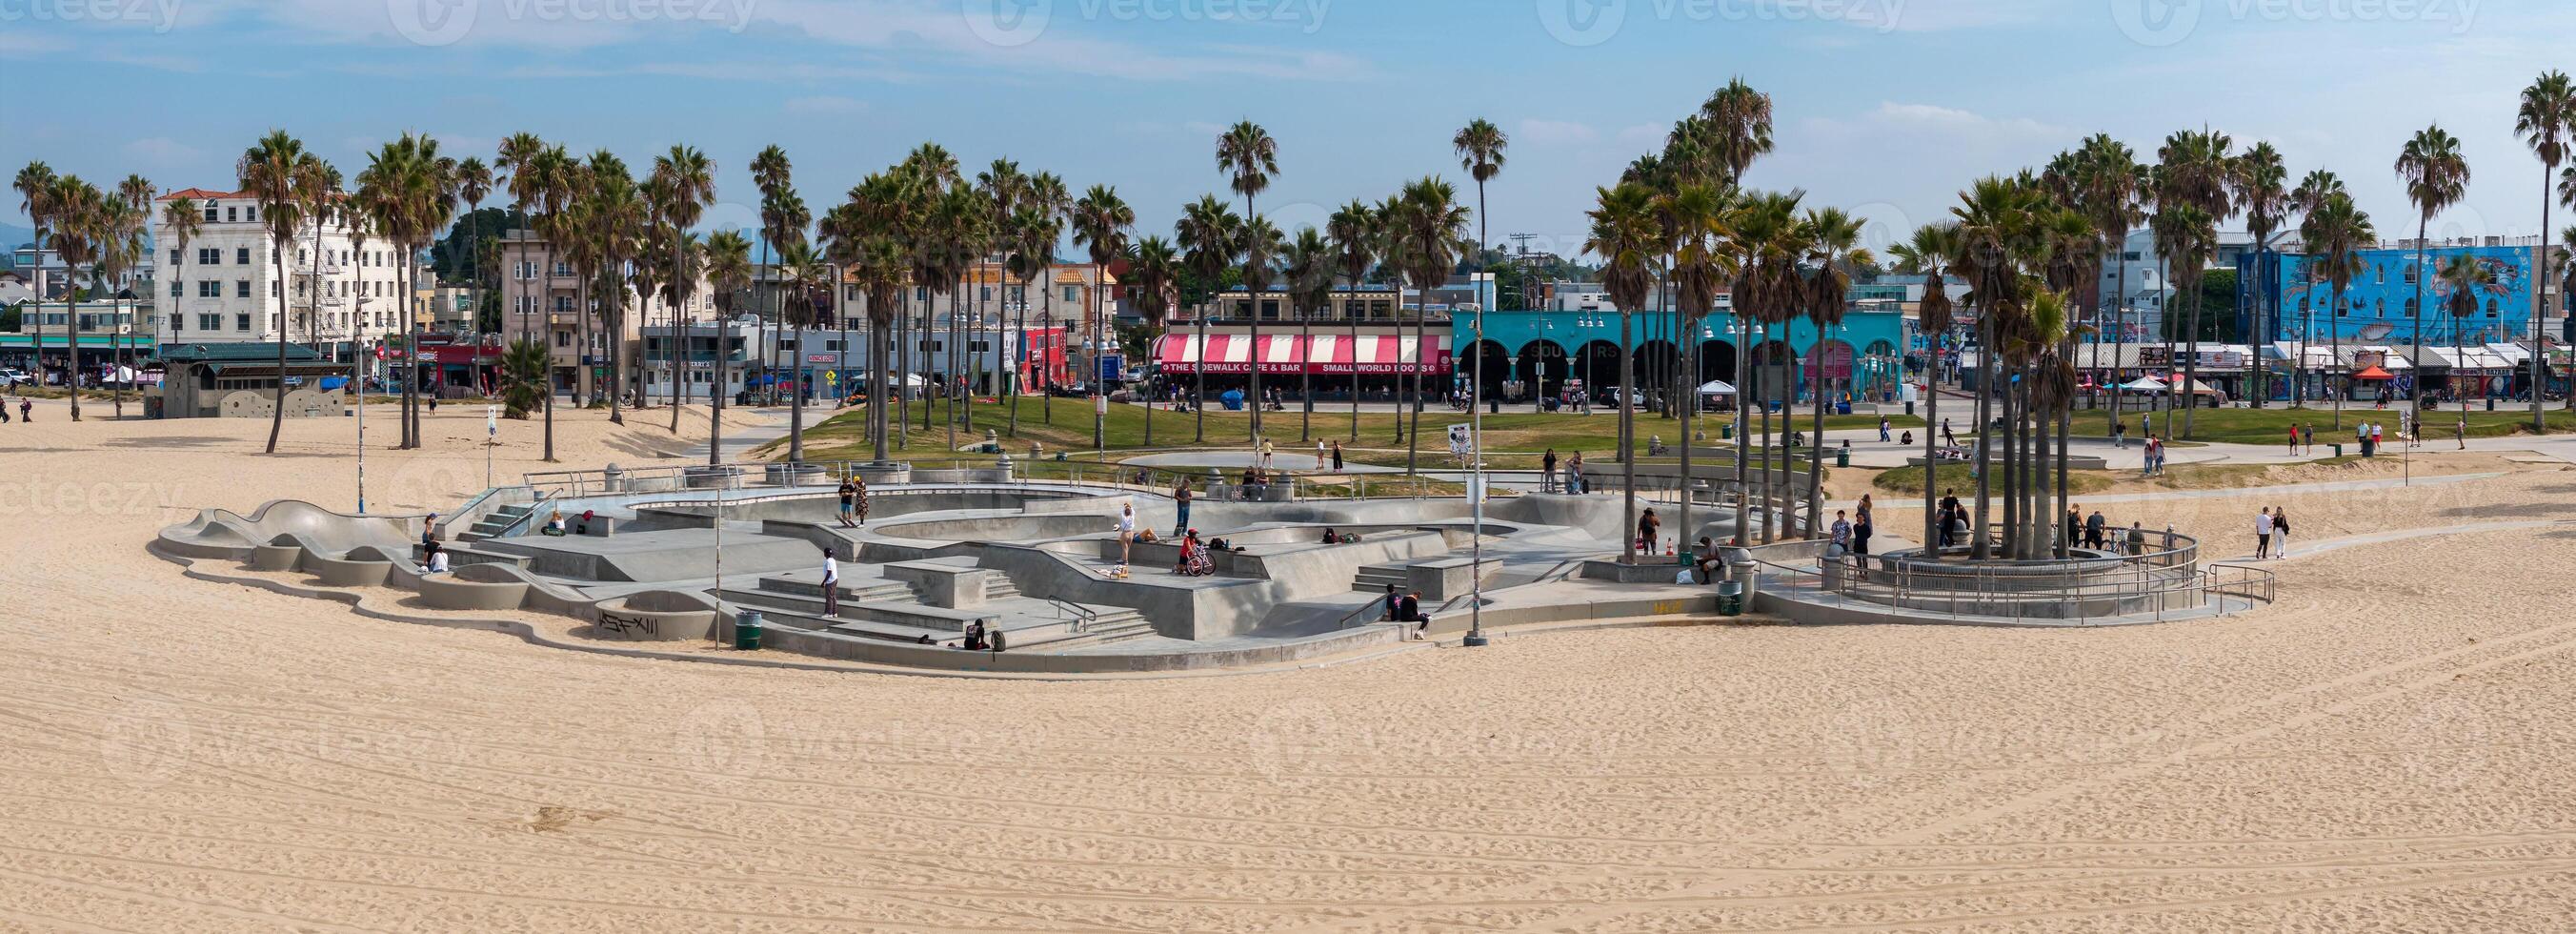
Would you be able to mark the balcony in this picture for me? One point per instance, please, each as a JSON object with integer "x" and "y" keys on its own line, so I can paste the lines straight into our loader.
{"x": 329, "y": 267}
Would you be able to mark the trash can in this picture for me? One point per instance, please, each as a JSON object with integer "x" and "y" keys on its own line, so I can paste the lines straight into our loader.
{"x": 1909, "y": 408}
{"x": 1726, "y": 432}
{"x": 1842, "y": 457}
{"x": 2338, "y": 449}
{"x": 1730, "y": 598}
{"x": 2490, "y": 403}
{"x": 746, "y": 630}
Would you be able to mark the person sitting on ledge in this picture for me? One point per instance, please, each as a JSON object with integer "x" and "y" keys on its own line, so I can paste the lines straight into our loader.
{"x": 1332, "y": 537}
{"x": 555, "y": 524}
{"x": 1704, "y": 560}
{"x": 436, "y": 554}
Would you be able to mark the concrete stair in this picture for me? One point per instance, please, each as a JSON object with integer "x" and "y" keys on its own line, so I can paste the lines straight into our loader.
{"x": 1375, "y": 578}
{"x": 998, "y": 588}
{"x": 891, "y": 610}
{"x": 496, "y": 522}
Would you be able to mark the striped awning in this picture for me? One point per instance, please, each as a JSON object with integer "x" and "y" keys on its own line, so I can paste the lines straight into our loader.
{"x": 1322, "y": 354}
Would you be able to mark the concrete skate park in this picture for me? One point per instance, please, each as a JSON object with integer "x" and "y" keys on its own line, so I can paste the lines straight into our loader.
{"x": 689, "y": 554}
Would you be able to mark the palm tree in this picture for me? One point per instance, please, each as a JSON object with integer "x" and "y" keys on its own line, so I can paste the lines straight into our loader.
{"x": 1249, "y": 157}
{"x": 125, "y": 249}
{"x": 2311, "y": 194}
{"x": 36, "y": 197}
{"x": 1766, "y": 230}
{"x": 2262, "y": 190}
{"x": 1833, "y": 245}
{"x": 770, "y": 172}
{"x": 1308, "y": 271}
{"x": 267, "y": 172}
{"x": 1702, "y": 262}
{"x": 473, "y": 184}
{"x": 728, "y": 270}
{"x": 1048, "y": 196}
{"x": 1481, "y": 149}
{"x": 2545, "y": 120}
{"x": 1209, "y": 242}
{"x": 802, "y": 270}
{"x": 2436, "y": 176}
{"x": 2111, "y": 181}
{"x": 2335, "y": 231}
{"x": 863, "y": 236}
{"x": 688, "y": 180}
{"x": 1740, "y": 121}
{"x": 1033, "y": 234}
{"x": 1627, "y": 237}
{"x": 2464, "y": 277}
{"x": 1928, "y": 254}
{"x": 526, "y": 184}
{"x": 1260, "y": 247}
{"x": 1002, "y": 186}
{"x": 1993, "y": 217}
{"x": 1154, "y": 270}
{"x": 616, "y": 220}
{"x": 1355, "y": 233}
{"x": 2050, "y": 329}
{"x": 550, "y": 171}
{"x": 79, "y": 240}
{"x": 2195, "y": 170}
{"x": 1425, "y": 233}
{"x": 1100, "y": 225}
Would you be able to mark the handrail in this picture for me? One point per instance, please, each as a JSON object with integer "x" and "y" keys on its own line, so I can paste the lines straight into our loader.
{"x": 1374, "y": 603}
{"x": 524, "y": 518}
{"x": 1083, "y": 617}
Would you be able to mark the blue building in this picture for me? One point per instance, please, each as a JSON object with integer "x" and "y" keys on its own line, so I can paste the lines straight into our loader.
{"x": 1540, "y": 350}
{"x": 2377, "y": 304}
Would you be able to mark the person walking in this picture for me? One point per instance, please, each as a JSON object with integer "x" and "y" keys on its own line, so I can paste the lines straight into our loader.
{"x": 26, "y": 410}
{"x": 1649, "y": 531}
{"x": 1181, "y": 498}
{"x": 1337, "y": 457}
{"x": 860, "y": 490}
{"x": 2074, "y": 526}
{"x": 1319, "y": 455}
{"x": 2094, "y": 528}
{"x": 1842, "y": 532}
{"x": 831, "y": 582}
{"x": 1265, "y": 454}
{"x": 1574, "y": 473}
{"x": 1884, "y": 435}
{"x": 1864, "y": 525}
{"x": 2280, "y": 533}
{"x": 2308, "y": 433}
{"x": 1948, "y": 439}
{"x": 2463, "y": 430}
{"x": 2120, "y": 434}
{"x": 849, "y": 501}
{"x": 1547, "y": 471}
{"x": 1126, "y": 536}
{"x": 2263, "y": 535}
{"x": 2294, "y": 441}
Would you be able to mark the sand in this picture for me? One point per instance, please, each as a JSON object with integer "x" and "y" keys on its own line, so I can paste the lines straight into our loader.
{"x": 2386, "y": 749}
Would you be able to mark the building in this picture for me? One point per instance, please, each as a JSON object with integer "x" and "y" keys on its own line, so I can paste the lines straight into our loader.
{"x": 2376, "y": 306}
{"x": 1360, "y": 333}
{"x": 48, "y": 277}
{"x": 1530, "y": 354}
{"x": 542, "y": 308}
{"x": 223, "y": 285}
{"x": 239, "y": 380}
{"x": 2145, "y": 282}
{"x": 443, "y": 308}
{"x": 1072, "y": 310}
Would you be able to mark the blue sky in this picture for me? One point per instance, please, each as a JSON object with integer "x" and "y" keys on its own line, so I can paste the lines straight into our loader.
{"x": 1884, "y": 106}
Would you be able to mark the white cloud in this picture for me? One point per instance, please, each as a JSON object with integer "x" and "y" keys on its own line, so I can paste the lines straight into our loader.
{"x": 1556, "y": 132}
{"x": 822, "y": 105}
{"x": 163, "y": 152}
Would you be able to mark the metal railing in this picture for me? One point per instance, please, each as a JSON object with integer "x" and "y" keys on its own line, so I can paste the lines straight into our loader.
{"x": 2160, "y": 585}
{"x": 1083, "y": 617}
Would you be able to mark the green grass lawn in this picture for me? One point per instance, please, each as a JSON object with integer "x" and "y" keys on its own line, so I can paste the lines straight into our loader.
{"x": 2272, "y": 425}
{"x": 1515, "y": 436}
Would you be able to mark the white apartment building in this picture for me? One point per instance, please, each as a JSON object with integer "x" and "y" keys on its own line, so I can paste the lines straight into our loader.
{"x": 543, "y": 308}
{"x": 223, "y": 285}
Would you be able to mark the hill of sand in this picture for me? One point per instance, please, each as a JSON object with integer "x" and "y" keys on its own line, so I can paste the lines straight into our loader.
{"x": 2386, "y": 749}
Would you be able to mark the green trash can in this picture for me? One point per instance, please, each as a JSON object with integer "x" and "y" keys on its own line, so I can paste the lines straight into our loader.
{"x": 1730, "y": 598}
{"x": 2338, "y": 450}
{"x": 1842, "y": 457}
{"x": 1726, "y": 432}
{"x": 746, "y": 630}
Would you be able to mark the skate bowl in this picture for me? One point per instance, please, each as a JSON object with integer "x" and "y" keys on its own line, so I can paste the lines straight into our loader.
{"x": 654, "y": 616}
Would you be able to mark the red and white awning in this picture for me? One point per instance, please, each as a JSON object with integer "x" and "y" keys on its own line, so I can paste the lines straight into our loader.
{"x": 1291, "y": 354}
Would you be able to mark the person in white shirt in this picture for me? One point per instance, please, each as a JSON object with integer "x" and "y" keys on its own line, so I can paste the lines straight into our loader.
{"x": 437, "y": 558}
{"x": 1126, "y": 535}
{"x": 2263, "y": 534}
{"x": 831, "y": 582}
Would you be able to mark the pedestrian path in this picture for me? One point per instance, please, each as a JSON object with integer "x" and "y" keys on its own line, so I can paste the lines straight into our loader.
{"x": 2339, "y": 486}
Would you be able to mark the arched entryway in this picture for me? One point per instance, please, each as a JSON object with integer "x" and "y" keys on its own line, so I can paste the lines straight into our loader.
{"x": 1598, "y": 367}
{"x": 1491, "y": 366}
{"x": 1542, "y": 368}
{"x": 1658, "y": 366}
{"x": 1716, "y": 361}
{"x": 1774, "y": 375}
{"x": 1827, "y": 366}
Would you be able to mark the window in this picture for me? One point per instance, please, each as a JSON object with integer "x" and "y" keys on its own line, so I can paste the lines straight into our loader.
{"x": 210, "y": 322}
{"x": 1072, "y": 293}
{"x": 232, "y": 214}
{"x": 2491, "y": 308}
{"x": 921, "y": 293}
{"x": 174, "y": 256}
{"x": 299, "y": 256}
{"x": 563, "y": 338}
{"x": 563, "y": 268}
{"x": 2410, "y": 274}
{"x": 178, "y": 289}
{"x": 241, "y": 322}
{"x": 241, "y": 288}
{"x": 210, "y": 213}
{"x": 209, "y": 288}
{"x": 563, "y": 304}
{"x": 241, "y": 256}
{"x": 251, "y": 213}
{"x": 209, "y": 256}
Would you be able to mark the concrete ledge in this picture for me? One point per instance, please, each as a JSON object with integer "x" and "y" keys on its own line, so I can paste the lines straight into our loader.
{"x": 446, "y": 592}
{"x": 654, "y": 616}
{"x": 273, "y": 557}
{"x": 339, "y": 573}
{"x": 1662, "y": 571}
{"x": 944, "y": 585}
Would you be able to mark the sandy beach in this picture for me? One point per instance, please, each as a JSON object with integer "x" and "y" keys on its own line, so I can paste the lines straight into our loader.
{"x": 2386, "y": 749}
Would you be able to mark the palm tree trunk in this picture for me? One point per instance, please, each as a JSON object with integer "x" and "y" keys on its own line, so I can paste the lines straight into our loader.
{"x": 277, "y": 416}
{"x": 2540, "y": 303}
{"x": 1816, "y": 453}
{"x": 1744, "y": 386}
{"x": 616, "y": 346}
{"x": 1627, "y": 435}
{"x": 1987, "y": 373}
{"x": 1019, "y": 371}
{"x": 2119, "y": 340}
{"x": 1199, "y": 405}
{"x": 1931, "y": 462}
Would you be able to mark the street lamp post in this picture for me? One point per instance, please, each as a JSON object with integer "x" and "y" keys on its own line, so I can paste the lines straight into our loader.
{"x": 1476, "y": 488}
